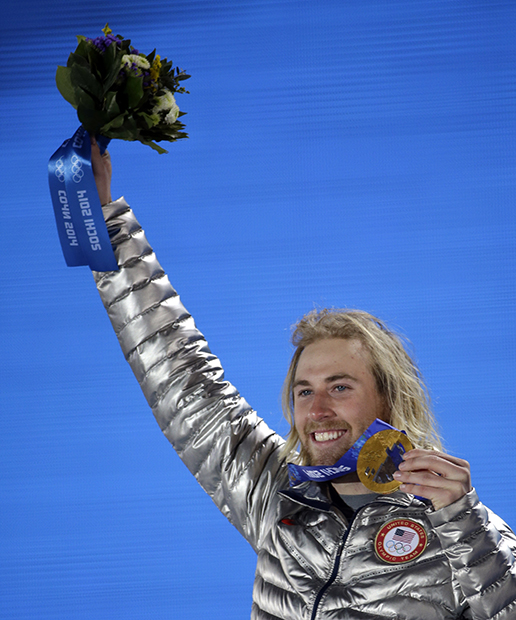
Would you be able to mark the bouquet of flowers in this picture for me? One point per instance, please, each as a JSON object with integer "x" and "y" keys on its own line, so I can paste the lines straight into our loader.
{"x": 120, "y": 93}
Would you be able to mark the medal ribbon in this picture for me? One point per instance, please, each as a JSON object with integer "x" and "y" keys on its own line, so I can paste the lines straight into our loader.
{"x": 345, "y": 465}
{"x": 80, "y": 224}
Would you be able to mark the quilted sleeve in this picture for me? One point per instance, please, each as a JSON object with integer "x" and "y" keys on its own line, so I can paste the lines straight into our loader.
{"x": 229, "y": 449}
{"x": 481, "y": 550}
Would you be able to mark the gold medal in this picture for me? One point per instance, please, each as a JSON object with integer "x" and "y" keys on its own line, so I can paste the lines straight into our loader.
{"x": 379, "y": 459}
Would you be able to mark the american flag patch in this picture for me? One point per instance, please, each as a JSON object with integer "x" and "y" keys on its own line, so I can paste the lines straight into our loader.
{"x": 404, "y": 536}
{"x": 400, "y": 540}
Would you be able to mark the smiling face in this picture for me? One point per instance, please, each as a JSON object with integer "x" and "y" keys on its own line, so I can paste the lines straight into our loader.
{"x": 335, "y": 398}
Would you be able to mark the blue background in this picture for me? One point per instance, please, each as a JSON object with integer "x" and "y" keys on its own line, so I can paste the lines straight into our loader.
{"x": 342, "y": 153}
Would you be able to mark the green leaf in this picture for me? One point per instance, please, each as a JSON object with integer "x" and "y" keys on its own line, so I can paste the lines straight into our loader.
{"x": 121, "y": 134}
{"x": 147, "y": 119}
{"x": 64, "y": 85}
{"x": 83, "y": 48}
{"x": 134, "y": 90}
{"x": 115, "y": 123}
{"x": 130, "y": 123}
{"x": 110, "y": 105}
{"x": 95, "y": 58}
{"x": 144, "y": 104}
{"x": 77, "y": 59}
{"x": 107, "y": 60}
{"x": 84, "y": 99}
{"x": 82, "y": 77}
{"x": 154, "y": 146}
{"x": 170, "y": 133}
{"x": 166, "y": 65}
{"x": 125, "y": 45}
{"x": 113, "y": 65}
{"x": 92, "y": 120}
{"x": 110, "y": 54}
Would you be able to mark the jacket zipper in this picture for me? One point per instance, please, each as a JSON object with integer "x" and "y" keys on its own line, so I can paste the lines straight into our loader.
{"x": 335, "y": 570}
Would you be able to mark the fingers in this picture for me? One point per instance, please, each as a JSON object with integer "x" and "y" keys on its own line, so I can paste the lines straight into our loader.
{"x": 419, "y": 452}
{"x": 101, "y": 166}
{"x": 438, "y": 462}
{"x": 96, "y": 158}
{"x": 440, "y": 477}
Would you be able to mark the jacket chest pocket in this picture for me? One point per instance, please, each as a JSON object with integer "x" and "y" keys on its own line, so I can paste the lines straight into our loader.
{"x": 308, "y": 543}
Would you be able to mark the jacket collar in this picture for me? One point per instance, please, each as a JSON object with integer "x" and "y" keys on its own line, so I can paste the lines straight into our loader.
{"x": 311, "y": 494}
{"x": 317, "y": 495}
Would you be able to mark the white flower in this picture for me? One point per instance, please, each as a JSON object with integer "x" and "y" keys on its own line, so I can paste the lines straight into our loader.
{"x": 167, "y": 103}
{"x": 171, "y": 117}
{"x": 130, "y": 60}
{"x": 164, "y": 103}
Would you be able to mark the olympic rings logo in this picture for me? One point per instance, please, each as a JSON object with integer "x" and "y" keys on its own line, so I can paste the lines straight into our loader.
{"x": 397, "y": 546}
{"x": 59, "y": 171}
{"x": 77, "y": 171}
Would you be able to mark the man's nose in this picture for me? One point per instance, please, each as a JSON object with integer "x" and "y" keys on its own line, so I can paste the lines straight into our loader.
{"x": 320, "y": 407}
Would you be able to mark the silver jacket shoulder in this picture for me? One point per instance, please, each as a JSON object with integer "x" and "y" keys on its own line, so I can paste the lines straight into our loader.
{"x": 313, "y": 561}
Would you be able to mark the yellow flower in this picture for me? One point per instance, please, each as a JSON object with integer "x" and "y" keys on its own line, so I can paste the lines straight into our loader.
{"x": 155, "y": 68}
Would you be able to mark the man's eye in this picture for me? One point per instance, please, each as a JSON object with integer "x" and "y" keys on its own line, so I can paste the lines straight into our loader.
{"x": 304, "y": 392}
{"x": 340, "y": 388}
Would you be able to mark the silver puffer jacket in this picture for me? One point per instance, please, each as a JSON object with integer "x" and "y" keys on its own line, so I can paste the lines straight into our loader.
{"x": 313, "y": 560}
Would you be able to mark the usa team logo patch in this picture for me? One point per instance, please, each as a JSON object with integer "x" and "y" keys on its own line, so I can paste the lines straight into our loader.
{"x": 400, "y": 541}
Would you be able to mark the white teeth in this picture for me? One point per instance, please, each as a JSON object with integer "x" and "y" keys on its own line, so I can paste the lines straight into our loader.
{"x": 328, "y": 435}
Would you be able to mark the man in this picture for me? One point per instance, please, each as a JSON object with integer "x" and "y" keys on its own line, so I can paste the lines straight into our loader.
{"x": 326, "y": 549}
{"x": 333, "y": 384}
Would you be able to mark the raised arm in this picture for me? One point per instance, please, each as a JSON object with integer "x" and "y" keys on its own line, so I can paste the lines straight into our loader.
{"x": 228, "y": 448}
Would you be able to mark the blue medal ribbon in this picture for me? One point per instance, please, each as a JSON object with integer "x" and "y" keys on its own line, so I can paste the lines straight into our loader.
{"x": 345, "y": 465}
{"x": 80, "y": 223}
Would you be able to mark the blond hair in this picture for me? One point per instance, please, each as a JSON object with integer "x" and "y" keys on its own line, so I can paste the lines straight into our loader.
{"x": 397, "y": 376}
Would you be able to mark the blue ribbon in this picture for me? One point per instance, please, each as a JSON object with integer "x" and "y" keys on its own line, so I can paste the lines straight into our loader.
{"x": 345, "y": 465}
{"x": 80, "y": 223}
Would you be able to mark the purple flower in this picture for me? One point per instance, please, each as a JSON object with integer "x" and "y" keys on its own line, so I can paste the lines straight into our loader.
{"x": 102, "y": 43}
